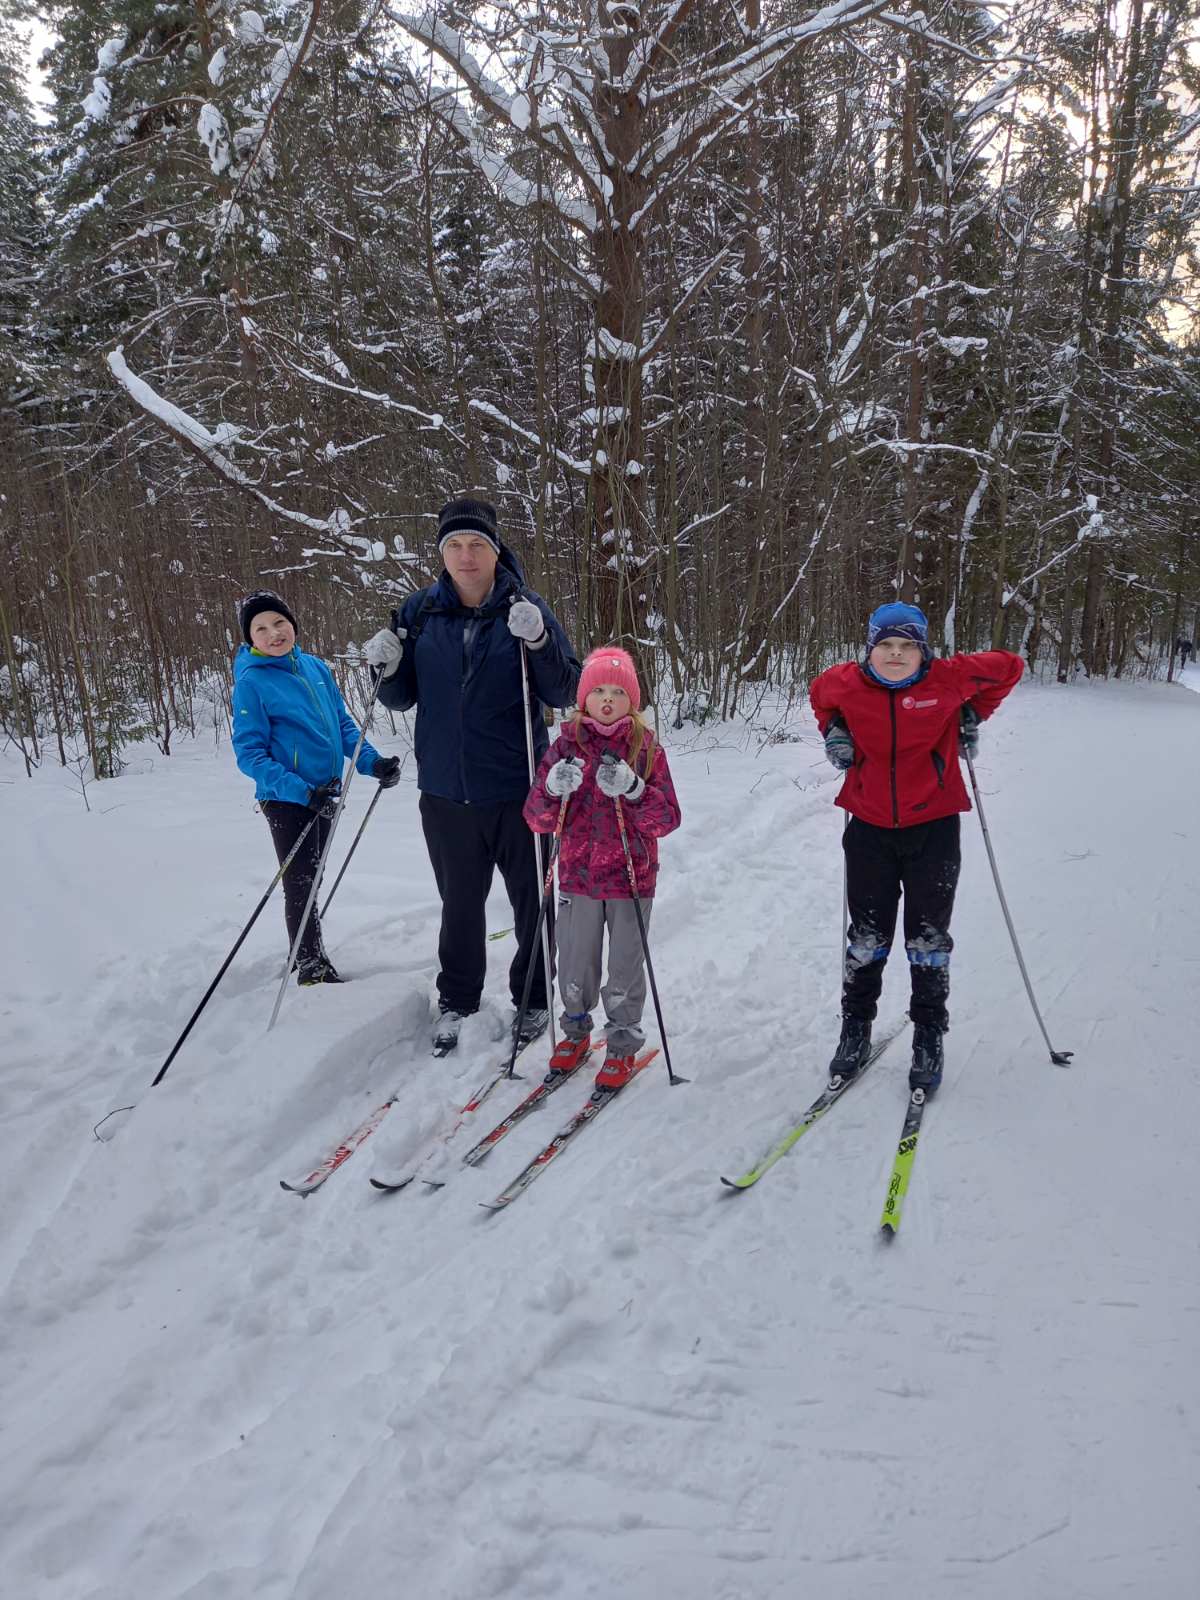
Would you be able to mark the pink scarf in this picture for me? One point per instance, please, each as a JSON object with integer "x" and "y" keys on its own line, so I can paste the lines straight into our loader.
{"x": 611, "y": 730}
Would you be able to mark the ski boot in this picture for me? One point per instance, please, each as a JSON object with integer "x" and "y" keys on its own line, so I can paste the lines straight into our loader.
{"x": 317, "y": 969}
{"x": 926, "y": 1070}
{"x": 852, "y": 1051}
{"x": 446, "y": 1030}
{"x": 533, "y": 1024}
{"x": 616, "y": 1072}
{"x": 568, "y": 1054}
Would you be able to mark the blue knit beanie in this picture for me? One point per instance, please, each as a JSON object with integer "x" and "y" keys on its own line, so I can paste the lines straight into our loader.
{"x": 898, "y": 621}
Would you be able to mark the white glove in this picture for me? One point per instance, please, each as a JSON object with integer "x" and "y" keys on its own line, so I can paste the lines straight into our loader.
{"x": 525, "y": 622}
{"x": 617, "y": 779}
{"x": 384, "y": 649}
{"x": 563, "y": 778}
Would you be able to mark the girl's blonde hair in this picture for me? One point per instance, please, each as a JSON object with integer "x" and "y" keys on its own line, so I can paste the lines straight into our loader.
{"x": 641, "y": 737}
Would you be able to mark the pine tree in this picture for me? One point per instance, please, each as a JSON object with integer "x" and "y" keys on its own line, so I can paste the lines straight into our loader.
{"x": 22, "y": 226}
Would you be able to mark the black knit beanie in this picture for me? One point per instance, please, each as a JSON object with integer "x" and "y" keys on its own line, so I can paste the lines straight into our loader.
{"x": 263, "y": 600}
{"x": 468, "y": 516}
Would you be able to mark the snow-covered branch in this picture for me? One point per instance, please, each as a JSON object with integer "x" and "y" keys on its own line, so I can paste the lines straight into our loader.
{"x": 443, "y": 42}
{"x": 493, "y": 414}
{"x": 210, "y": 448}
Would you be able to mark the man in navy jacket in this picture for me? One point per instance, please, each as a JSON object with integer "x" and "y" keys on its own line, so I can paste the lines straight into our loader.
{"x": 454, "y": 652}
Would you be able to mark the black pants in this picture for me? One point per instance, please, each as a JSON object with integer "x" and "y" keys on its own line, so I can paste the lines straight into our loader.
{"x": 922, "y": 862}
{"x": 287, "y": 822}
{"x": 466, "y": 844}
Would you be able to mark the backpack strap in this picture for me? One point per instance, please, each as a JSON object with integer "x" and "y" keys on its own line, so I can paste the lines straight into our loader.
{"x": 418, "y": 622}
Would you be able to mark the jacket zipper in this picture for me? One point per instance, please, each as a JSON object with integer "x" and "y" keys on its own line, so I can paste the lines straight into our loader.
{"x": 462, "y": 708}
{"x": 895, "y": 796}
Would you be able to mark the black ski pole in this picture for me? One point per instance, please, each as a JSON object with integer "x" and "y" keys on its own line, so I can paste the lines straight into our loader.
{"x": 609, "y": 759}
{"x": 1060, "y": 1058}
{"x": 316, "y": 883}
{"x": 362, "y": 828}
{"x": 537, "y": 858}
{"x": 208, "y": 993}
{"x": 547, "y": 894}
{"x": 845, "y": 906}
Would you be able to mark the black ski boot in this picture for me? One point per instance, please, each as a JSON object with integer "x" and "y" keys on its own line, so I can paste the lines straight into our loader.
{"x": 446, "y": 1029}
{"x": 533, "y": 1024}
{"x": 926, "y": 1070}
{"x": 854, "y": 1047}
{"x": 319, "y": 970}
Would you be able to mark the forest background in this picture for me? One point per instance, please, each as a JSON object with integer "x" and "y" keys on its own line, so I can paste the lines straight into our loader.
{"x": 747, "y": 315}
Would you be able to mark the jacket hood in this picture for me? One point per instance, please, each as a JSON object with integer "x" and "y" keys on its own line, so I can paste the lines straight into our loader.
{"x": 511, "y": 562}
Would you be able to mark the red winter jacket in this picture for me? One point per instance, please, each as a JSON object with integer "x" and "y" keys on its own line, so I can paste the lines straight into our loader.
{"x": 591, "y": 861}
{"x": 906, "y": 740}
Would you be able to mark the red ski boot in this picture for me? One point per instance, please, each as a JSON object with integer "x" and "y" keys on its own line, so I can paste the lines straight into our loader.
{"x": 569, "y": 1053}
{"x": 616, "y": 1072}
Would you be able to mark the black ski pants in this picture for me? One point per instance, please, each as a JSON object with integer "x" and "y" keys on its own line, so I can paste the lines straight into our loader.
{"x": 881, "y": 863}
{"x": 287, "y": 822}
{"x": 466, "y": 845}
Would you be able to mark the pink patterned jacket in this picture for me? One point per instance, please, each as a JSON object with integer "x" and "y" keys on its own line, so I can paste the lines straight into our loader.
{"x": 591, "y": 861}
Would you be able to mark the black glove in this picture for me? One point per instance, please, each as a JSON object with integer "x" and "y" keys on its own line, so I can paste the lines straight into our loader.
{"x": 324, "y": 798}
{"x": 839, "y": 746}
{"x": 968, "y": 731}
{"x": 387, "y": 770}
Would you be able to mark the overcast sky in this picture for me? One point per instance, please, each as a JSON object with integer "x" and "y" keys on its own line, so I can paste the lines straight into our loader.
{"x": 40, "y": 37}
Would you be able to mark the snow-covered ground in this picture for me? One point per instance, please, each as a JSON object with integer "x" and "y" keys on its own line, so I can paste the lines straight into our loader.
{"x": 633, "y": 1385}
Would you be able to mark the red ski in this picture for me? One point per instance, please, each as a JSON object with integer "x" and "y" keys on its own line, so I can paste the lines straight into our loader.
{"x": 594, "y": 1105}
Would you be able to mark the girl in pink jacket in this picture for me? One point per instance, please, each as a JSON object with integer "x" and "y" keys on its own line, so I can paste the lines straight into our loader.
{"x": 593, "y": 878}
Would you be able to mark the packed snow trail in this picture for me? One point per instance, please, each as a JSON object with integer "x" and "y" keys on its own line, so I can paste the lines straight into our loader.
{"x": 630, "y": 1385}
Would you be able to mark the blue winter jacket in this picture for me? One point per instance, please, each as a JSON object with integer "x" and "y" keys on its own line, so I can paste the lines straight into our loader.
{"x": 470, "y": 732}
{"x": 291, "y": 729}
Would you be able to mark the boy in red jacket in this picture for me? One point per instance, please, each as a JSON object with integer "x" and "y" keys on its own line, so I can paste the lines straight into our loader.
{"x": 893, "y": 724}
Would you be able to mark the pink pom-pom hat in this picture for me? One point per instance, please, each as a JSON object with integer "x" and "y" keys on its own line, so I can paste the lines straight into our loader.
{"x": 610, "y": 664}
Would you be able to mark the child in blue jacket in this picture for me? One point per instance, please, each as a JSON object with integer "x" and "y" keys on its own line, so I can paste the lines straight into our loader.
{"x": 291, "y": 734}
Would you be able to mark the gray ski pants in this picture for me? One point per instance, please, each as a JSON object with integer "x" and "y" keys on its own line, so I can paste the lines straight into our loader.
{"x": 581, "y": 923}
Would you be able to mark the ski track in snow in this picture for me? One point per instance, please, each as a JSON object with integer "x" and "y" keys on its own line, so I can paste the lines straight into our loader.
{"x": 632, "y": 1383}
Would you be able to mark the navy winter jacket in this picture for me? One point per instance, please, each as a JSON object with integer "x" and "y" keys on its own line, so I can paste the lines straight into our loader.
{"x": 470, "y": 733}
{"x": 291, "y": 729}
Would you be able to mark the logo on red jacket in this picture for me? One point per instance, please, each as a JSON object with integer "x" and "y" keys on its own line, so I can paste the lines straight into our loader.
{"x": 910, "y": 703}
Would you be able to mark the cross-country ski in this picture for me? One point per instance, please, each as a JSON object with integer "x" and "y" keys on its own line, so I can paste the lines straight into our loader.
{"x": 575, "y": 579}
{"x": 828, "y": 1097}
{"x": 596, "y": 1102}
{"x": 906, "y": 1154}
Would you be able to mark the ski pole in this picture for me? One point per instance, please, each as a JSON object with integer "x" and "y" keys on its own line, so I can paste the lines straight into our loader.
{"x": 316, "y": 883}
{"x": 609, "y": 759}
{"x": 208, "y": 993}
{"x": 537, "y": 854}
{"x": 547, "y": 894}
{"x": 1060, "y": 1058}
{"x": 362, "y": 828}
{"x": 845, "y": 906}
